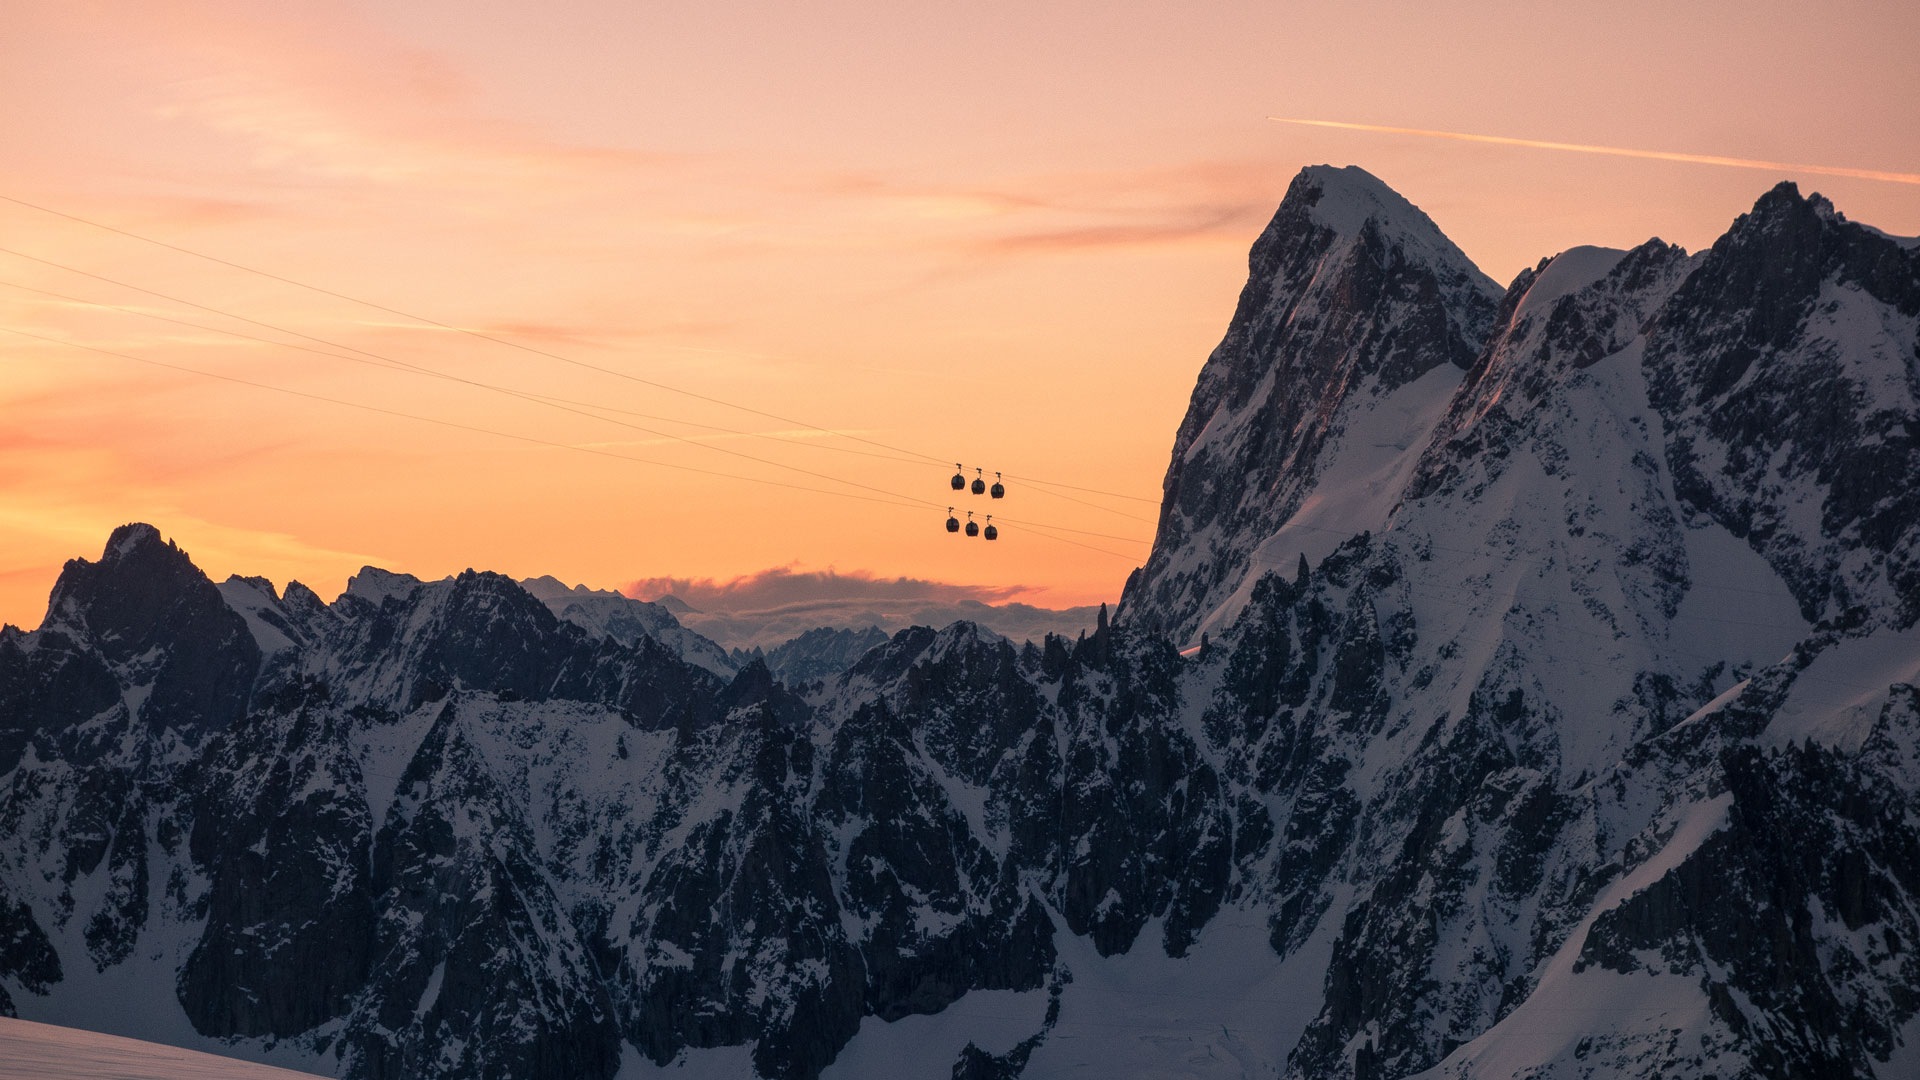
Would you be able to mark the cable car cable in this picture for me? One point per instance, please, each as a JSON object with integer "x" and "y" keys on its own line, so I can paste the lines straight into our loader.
{"x": 470, "y": 332}
{"x": 387, "y": 361}
{"x": 402, "y": 365}
{"x": 438, "y": 374}
{"x": 509, "y": 343}
{"x": 1096, "y": 506}
{"x": 452, "y": 423}
{"x": 1088, "y": 490}
{"x": 895, "y": 500}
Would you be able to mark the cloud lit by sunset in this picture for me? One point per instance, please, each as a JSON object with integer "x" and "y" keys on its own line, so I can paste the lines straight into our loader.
{"x": 707, "y": 289}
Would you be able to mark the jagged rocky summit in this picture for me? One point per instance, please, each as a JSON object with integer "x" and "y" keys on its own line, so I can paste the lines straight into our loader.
{"x": 1556, "y": 716}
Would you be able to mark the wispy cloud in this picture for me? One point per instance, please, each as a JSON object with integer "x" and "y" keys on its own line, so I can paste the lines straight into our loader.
{"x": 1171, "y": 205}
{"x": 293, "y": 129}
{"x": 343, "y": 101}
{"x": 1212, "y": 226}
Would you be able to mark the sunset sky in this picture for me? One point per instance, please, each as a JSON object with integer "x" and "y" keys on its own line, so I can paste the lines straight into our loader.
{"x": 1004, "y": 234}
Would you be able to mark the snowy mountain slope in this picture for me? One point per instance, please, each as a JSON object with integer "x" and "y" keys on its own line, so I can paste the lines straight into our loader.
{"x": 1555, "y": 716}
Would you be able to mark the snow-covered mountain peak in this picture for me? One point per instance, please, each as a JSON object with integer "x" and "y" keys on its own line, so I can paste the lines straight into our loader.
{"x": 609, "y": 614}
{"x": 1788, "y": 366}
{"x": 375, "y": 585}
{"x": 549, "y": 588}
{"x": 1345, "y": 198}
{"x": 1330, "y": 402}
{"x": 135, "y": 549}
{"x": 1783, "y": 202}
{"x": 129, "y": 538}
{"x": 1357, "y": 319}
{"x": 1349, "y": 201}
{"x": 134, "y": 597}
{"x": 1568, "y": 272}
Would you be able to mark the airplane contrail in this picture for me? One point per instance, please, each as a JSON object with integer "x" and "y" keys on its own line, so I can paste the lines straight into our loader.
{"x": 1617, "y": 151}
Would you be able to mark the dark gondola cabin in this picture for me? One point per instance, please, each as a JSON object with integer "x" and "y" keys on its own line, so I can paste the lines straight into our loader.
{"x": 979, "y": 483}
{"x": 999, "y": 490}
{"x": 959, "y": 480}
{"x": 992, "y": 533}
{"x": 973, "y": 527}
{"x": 953, "y": 523}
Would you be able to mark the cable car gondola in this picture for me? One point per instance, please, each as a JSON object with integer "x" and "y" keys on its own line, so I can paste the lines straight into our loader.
{"x": 973, "y": 527}
{"x": 953, "y": 523}
{"x": 979, "y": 484}
{"x": 991, "y": 533}
{"x": 959, "y": 480}
{"x": 999, "y": 490}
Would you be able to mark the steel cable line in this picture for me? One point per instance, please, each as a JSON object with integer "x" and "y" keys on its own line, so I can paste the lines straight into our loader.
{"x": 535, "y": 440}
{"x": 1070, "y": 487}
{"x": 1084, "y": 502}
{"x": 389, "y": 362}
{"x": 1082, "y": 532}
{"x": 381, "y": 360}
{"x": 1076, "y": 543}
{"x": 509, "y": 343}
{"x": 377, "y": 361}
{"x": 469, "y": 331}
{"x": 736, "y": 431}
{"x": 837, "y": 449}
{"x": 438, "y": 374}
{"x": 1043, "y": 531}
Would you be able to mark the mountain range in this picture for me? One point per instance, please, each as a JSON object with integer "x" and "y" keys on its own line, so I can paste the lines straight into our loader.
{"x": 1522, "y": 682}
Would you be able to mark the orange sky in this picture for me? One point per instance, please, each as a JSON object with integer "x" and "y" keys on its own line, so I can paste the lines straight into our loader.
{"x": 981, "y": 232}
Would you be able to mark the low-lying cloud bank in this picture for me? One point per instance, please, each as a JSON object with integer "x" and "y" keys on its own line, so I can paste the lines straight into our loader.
{"x": 775, "y": 605}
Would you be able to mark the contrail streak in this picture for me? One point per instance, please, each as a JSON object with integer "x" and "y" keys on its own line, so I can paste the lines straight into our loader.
{"x": 1618, "y": 151}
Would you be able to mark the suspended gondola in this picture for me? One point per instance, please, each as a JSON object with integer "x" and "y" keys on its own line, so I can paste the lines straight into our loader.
{"x": 953, "y": 523}
{"x": 959, "y": 477}
{"x": 991, "y": 532}
{"x": 999, "y": 490}
{"x": 979, "y": 482}
{"x": 973, "y": 527}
